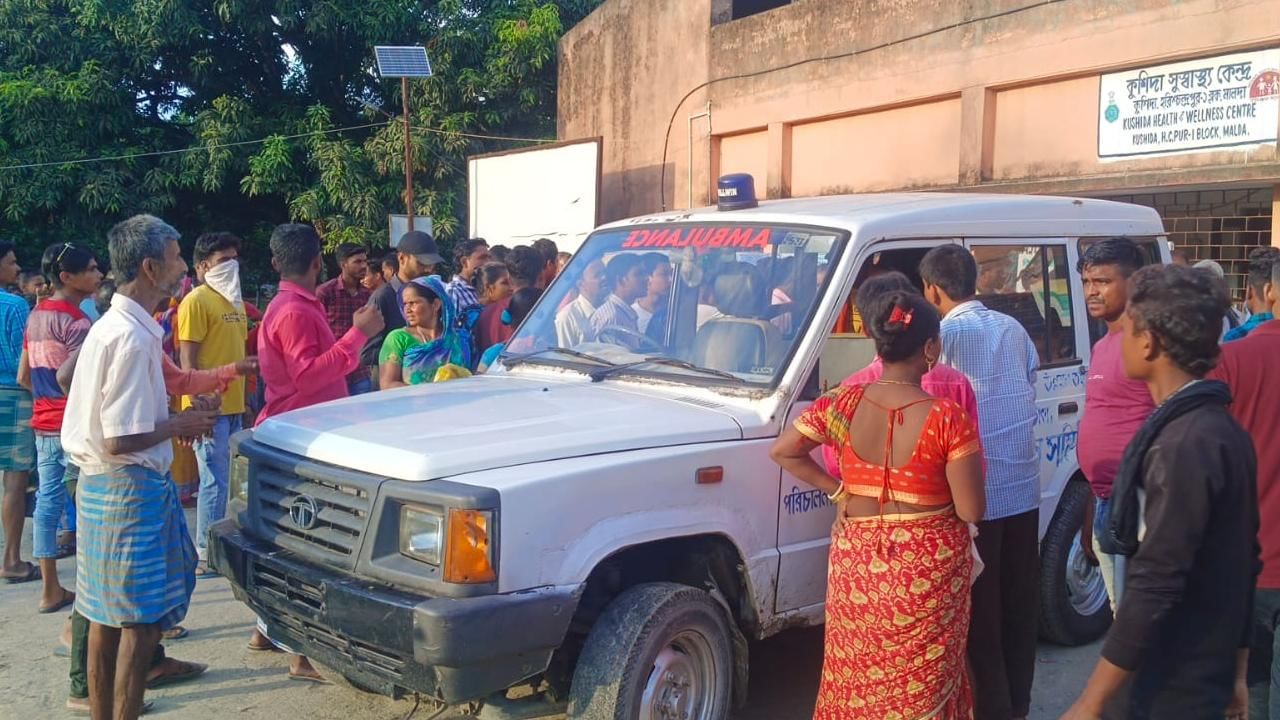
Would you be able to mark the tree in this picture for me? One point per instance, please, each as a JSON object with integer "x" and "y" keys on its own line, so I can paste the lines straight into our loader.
{"x": 240, "y": 114}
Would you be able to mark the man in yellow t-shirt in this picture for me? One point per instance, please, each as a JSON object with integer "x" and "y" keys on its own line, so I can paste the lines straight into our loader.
{"x": 212, "y": 327}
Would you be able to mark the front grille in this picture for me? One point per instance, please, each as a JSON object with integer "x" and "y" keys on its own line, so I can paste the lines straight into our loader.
{"x": 287, "y": 589}
{"x": 338, "y": 512}
{"x": 298, "y": 602}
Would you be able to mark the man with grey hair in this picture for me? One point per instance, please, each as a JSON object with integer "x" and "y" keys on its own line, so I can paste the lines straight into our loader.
{"x": 136, "y": 563}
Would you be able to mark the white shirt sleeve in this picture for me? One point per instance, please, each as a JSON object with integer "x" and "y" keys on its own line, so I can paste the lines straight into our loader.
{"x": 128, "y": 402}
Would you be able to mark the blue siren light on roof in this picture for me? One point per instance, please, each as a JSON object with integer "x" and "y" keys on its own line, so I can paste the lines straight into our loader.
{"x": 736, "y": 192}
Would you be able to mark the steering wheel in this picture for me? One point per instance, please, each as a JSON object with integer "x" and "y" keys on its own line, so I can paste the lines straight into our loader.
{"x": 632, "y": 339}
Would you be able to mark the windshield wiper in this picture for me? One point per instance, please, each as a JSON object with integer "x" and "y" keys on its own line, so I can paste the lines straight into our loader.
{"x": 602, "y": 373}
{"x": 510, "y": 360}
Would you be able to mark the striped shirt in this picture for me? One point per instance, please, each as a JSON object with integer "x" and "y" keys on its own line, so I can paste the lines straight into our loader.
{"x": 1000, "y": 360}
{"x": 613, "y": 312}
{"x": 462, "y": 294}
{"x": 55, "y": 329}
{"x": 13, "y": 321}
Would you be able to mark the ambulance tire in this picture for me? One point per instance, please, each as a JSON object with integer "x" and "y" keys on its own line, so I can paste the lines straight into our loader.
{"x": 1074, "y": 609}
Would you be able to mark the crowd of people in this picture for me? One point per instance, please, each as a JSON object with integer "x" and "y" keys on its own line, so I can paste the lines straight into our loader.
{"x": 933, "y": 595}
{"x": 928, "y": 453}
{"x": 108, "y": 378}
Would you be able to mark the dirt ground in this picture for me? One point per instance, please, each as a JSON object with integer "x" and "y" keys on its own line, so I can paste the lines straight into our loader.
{"x": 254, "y": 686}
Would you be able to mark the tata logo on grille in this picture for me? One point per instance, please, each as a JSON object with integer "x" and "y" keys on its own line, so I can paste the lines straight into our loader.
{"x": 304, "y": 512}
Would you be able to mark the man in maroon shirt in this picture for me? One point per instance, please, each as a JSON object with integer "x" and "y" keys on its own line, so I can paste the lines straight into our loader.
{"x": 1114, "y": 405}
{"x": 1248, "y": 366}
{"x": 344, "y": 295}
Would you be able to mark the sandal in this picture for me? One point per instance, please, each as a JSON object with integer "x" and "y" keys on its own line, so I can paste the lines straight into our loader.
{"x": 68, "y": 597}
{"x": 316, "y": 679}
{"x": 269, "y": 647}
{"x": 177, "y": 632}
{"x": 33, "y": 573}
{"x": 186, "y": 671}
{"x": 80, "y": 706}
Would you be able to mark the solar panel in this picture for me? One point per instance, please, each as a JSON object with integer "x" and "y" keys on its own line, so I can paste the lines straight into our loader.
{"x": 403, "y": 61}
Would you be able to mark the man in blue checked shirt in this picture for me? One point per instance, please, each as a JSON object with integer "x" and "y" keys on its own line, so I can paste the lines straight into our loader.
{"x": 1000, "y": 360}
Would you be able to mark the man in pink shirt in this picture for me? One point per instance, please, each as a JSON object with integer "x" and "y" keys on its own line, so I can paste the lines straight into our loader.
{"x": 942, "y": 381}
{"x": 1114, "y": 406}
{"x": 302, "y": 363}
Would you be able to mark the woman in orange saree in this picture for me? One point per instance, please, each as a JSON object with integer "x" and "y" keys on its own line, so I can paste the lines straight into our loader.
{"x": 901, "y": 559}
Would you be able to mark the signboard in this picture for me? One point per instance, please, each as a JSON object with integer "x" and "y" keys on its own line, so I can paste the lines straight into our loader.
{"x": 1230, "y": 101}
{"x": 398, "y": 225}
{"x": 550, "y": 191}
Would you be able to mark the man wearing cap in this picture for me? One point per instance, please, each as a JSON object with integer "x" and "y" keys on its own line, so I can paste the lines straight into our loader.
{"x": 418, "y": 256}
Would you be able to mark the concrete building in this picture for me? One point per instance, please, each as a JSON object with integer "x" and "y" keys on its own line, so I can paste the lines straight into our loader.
{"x": 1168, "y": 103}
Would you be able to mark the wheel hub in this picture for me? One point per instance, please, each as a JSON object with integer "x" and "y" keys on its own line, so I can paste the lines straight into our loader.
{"x": 1085, "y": 588}
{"x": 680, "y": 683}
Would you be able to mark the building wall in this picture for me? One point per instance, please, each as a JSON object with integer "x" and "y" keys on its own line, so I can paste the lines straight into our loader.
{"x": 621, "y": 71}
{"x": 1222, "y": 225}
{"x": 1004, "y": 100}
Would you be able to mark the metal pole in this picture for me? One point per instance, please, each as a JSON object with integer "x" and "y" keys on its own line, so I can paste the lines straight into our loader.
{"x": 408, "y": 154}
{"x": 704, "y": 114}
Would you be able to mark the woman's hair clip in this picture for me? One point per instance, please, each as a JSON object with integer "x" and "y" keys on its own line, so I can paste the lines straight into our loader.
{"x": 506, "y": 317}
{"x": 899, "y": 315}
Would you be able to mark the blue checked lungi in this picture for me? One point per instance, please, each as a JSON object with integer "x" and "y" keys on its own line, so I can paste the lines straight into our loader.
{"x": 17, "y": 440}
{"x": 135, "y": 561}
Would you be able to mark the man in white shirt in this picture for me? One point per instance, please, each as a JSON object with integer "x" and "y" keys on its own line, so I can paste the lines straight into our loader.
{"x": 573, "y": 322}
{"x": 136, "y": 565}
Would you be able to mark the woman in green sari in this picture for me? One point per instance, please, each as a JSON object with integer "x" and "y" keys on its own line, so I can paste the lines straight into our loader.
{"x": 431, "y": 346}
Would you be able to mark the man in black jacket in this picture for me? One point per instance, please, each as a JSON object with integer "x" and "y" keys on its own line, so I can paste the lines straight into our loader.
{"x": 1184, "y": 507}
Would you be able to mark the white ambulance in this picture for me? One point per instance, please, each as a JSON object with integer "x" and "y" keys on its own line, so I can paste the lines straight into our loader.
{"x": 598, "y": 518}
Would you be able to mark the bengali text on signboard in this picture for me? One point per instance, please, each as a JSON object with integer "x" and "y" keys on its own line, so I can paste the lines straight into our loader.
{"x": 1220, "y": 102}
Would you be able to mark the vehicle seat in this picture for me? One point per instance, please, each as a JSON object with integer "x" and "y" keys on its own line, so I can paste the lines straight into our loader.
{"x": 734, "y": 344}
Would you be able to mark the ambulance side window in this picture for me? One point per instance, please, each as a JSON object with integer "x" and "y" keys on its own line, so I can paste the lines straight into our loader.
{"x": 1012, "y": 280}
{"x": 848, "y": 349}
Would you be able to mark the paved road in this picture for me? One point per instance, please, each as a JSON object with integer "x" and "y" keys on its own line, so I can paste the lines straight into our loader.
{"x": 255, "y": 686}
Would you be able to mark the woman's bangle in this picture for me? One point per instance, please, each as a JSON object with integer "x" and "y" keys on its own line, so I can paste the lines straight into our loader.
{"x": 839, "y": 494}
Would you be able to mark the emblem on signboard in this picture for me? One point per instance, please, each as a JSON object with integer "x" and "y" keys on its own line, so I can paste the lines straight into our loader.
{"x": 1265, "y": 86}
{"x": 1112, "y": 113}
{"x": 303, "y": 511}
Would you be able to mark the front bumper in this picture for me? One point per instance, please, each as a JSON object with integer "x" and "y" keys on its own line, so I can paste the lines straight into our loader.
{"x": 388, "y": 640}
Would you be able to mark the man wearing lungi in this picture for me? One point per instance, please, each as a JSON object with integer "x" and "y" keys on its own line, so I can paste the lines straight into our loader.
{"x": 135, "y": 560}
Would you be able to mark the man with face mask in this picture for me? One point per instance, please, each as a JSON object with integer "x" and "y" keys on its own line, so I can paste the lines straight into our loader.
{"x": 211, "y": 331}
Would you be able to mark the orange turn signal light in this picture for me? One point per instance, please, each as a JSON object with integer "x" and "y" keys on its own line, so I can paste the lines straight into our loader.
{"x": 468, "y": 551}
{"x": 709, "y": 475}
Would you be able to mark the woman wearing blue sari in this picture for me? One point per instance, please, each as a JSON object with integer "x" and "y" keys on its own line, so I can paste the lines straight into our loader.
{"x": 432, "y": 346}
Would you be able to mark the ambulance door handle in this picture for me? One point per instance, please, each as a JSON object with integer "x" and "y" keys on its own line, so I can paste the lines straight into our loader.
{"x": 1068, "y": 408}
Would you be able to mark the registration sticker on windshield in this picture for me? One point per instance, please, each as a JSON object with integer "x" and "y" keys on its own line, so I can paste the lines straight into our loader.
{"x": 795, "y": 240}
{"x": 699, "y": 237}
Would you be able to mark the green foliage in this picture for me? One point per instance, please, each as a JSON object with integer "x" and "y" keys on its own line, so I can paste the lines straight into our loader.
{"x": 255, "y": 96}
